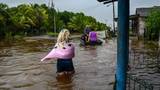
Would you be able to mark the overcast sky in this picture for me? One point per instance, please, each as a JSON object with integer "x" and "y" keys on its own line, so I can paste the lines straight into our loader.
{"x": 101, "y": 12}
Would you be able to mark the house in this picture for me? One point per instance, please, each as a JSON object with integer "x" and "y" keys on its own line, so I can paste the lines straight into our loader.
{"x": 138, "y": 20}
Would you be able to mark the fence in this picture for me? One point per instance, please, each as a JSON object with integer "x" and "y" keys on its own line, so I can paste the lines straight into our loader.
{"x": 134, "y": 83}
{"x": 141, "y": 61}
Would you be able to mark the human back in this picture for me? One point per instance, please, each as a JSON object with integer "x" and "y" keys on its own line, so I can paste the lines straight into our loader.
{"x": 64, "y": 63}
{"x": 63, "y": 48}
{"x": 63, "y": 51}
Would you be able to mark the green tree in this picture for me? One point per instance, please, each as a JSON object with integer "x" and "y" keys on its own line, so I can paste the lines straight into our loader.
{"x": 3, "y": 6}
{"x": 34, "y": 19}
{"x": 79, "y": 21}
{"x": 5, "y": 21}
{"x": 65, "y": 16}
{"x": 29, "y": 19}
{"x": 153, "y": 24}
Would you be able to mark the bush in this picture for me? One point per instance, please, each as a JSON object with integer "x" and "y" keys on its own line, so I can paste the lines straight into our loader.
{"x": 52, "y": 34}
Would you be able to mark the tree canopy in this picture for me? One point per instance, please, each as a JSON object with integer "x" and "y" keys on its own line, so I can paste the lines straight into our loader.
{"x": 34, "y": 19}
{"x": 153, "y": 24}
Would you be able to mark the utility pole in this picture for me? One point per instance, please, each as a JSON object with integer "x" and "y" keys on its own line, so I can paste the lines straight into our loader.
{"x": 52, "y": 6}
{"x": 122, "y": 43}
{"x": 55, "y": 24}
{"x": 110, "y": 1}
{"x": 113, "y": 16}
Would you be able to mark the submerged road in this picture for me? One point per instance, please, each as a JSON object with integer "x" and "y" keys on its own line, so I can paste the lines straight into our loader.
{"x": 21, "y": 69}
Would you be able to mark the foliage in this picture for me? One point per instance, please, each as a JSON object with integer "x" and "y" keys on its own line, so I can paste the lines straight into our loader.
{"x": 153, "y": 24}
{"x": 34, "y": 19}
{"x": 5, "y": 21}
{"x": 52, "y": 34}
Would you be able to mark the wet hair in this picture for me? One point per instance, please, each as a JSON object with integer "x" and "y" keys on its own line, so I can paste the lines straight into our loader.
{"x": 63, "y": 37}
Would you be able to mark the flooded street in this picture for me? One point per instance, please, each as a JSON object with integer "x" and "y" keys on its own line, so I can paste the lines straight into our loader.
{"x": 21, "y": 69}
{"x": 145, "y": 62}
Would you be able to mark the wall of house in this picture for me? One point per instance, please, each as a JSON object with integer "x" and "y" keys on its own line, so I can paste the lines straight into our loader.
{"x": 141, "y": 27}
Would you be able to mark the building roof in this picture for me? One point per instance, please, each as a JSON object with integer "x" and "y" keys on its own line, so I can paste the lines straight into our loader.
{"x": 143, "y": 12}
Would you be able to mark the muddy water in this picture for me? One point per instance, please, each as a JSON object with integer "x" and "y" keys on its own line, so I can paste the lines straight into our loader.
{"x": 145, "y": 62}
{"x": 21, "y": 69}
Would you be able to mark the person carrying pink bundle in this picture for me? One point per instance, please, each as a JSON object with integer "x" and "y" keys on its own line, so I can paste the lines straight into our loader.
{"x": 63, "y": 51}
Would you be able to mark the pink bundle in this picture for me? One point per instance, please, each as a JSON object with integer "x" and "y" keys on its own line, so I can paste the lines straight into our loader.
{"x": 93, "y": 36}
{"x": 66, "y": 52}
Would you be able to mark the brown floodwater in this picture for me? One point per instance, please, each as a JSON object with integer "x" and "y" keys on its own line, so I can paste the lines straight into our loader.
{"x": 144, "y": 60}
{"x": 21, "y": 69}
